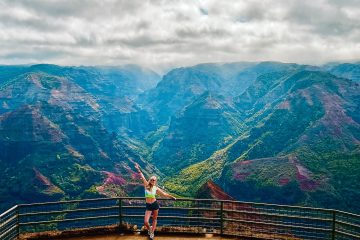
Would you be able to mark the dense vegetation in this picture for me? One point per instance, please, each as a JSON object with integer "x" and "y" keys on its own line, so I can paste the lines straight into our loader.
{"x": 270, "y": 132}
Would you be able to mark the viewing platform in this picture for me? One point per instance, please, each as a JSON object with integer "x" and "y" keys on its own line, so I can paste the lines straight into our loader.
{"x": 160, "y": 237}
{"x": 122, "y": 218}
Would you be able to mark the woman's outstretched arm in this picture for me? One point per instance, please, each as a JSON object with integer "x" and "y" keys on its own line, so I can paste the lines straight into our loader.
{"x": 141, "y": 174}
{"x": 163, "y": 193}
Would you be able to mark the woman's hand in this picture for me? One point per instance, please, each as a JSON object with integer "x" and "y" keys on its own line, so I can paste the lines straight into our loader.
{"x": 137, "y": 167}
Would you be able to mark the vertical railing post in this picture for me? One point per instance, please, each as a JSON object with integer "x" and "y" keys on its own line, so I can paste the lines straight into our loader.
{"x": 1, "y": 225}
{"x": 17, "y": 222}
{"x": 221, "y": 218}
{"x": 120, "y": 214}
{"x": 333, "y": 225}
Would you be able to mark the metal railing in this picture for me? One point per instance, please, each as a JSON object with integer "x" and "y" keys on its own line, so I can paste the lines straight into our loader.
{"x": 233, "y": 218}
{"x": 9, "y": 224}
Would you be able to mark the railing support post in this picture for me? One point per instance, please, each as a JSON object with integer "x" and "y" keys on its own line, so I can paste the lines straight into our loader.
{"x": 120, "y": 214}
{"x": 333, "y": 225}
{"x": 221, "y": 218}
{"x": 17, "y": 223}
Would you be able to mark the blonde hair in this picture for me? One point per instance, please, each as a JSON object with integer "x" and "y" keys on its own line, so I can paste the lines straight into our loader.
{"x": 149, "y": 185}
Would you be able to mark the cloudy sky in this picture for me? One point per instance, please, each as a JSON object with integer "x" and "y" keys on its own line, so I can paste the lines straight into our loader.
{"x": 165, "y": 33}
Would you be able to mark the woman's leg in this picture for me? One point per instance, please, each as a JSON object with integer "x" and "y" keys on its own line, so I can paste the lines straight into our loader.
{"x": 146, "y": 219}
{"x": 155, "y": 215}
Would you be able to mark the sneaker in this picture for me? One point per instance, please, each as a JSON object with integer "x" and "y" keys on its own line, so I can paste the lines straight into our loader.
{"x": 152, "y": 235}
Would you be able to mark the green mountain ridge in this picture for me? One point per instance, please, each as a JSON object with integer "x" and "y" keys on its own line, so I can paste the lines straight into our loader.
{"x": 201, "y": 128}
{"x": 271, "y": 132}
{"x": 307, "y": 111}
{"x": 55, "y": 145}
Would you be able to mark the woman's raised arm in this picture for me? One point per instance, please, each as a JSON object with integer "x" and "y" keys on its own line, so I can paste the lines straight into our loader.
{"x": 141, "y": 174}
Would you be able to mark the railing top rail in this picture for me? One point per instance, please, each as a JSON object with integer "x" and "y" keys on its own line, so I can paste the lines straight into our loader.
{"x": 7, "y": 211}
{"x": 68, "y": 201}
{"x": 280, "y": 205}
{"x": 189, "y": 199}
{"x": 347, "y": 213}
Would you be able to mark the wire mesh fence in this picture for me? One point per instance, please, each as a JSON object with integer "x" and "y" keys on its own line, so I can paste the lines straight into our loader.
{"x": 62, "y": 216}
{"x": 183, "y": 215}
{"x": 242, "y": 219}
{"x": 276, "y": 221}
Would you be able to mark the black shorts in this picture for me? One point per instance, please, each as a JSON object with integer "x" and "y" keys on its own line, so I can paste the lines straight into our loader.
{"x": 152, "y": 206}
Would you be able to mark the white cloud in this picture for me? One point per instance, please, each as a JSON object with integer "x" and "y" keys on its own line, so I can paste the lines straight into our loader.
{"x": 161, "y": 34}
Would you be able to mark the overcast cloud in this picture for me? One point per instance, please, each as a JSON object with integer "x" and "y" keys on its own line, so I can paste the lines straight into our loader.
{"x": 167, "y": 33}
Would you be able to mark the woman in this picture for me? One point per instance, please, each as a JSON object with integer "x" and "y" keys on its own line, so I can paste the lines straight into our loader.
{"x": 152, "y": 206}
